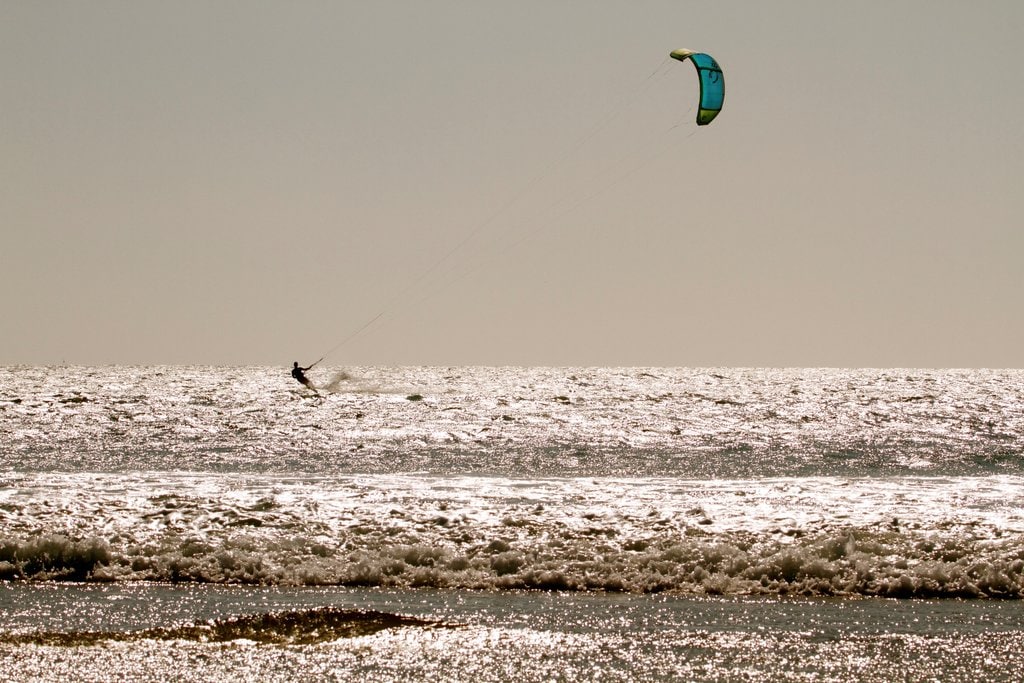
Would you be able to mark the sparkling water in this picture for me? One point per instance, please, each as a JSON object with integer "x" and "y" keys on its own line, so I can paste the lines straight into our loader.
{"x": 200, "y": 523}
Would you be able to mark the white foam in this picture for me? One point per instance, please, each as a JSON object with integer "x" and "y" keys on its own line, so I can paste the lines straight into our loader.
{"x": 821, "y": 535}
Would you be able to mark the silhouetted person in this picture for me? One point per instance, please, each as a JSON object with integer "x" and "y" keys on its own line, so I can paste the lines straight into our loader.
{"x": 299, "y": 374}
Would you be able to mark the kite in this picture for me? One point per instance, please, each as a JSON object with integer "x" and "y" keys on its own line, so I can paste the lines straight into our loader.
{"x": 712, "y": 85}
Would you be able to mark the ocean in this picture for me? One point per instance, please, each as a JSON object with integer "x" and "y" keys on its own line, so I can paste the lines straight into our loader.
{"x": 511, "y": 524}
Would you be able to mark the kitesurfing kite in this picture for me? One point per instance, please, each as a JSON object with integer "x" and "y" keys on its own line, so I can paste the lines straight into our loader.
{"x": 712, "y": 86}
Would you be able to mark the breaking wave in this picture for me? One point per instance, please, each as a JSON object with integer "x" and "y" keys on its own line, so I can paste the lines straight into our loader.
{"x": 889, "y": 563}
{"x": 299, "y": 627}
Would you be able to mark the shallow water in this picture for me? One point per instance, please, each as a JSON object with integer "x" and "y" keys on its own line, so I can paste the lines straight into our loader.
{"x": 516, "y": 636}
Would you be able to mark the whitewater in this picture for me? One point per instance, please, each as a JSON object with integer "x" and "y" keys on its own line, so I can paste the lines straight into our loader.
{"x": 665, "y": 523}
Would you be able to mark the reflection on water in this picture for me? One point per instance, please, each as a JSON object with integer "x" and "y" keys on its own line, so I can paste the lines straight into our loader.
{"x": 518, "y": 637}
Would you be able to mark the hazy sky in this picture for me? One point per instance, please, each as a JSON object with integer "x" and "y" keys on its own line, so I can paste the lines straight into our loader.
{"x": 506, "y": 183}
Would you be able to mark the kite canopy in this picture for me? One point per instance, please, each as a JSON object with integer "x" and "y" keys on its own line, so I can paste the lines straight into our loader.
{"x": 712, "y": 84}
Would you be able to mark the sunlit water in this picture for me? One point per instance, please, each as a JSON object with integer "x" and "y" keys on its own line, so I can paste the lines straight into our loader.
{"x": 567, "y": 524}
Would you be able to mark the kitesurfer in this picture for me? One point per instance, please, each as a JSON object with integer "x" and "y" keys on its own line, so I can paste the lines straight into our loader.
{"x": 299, "y": 373}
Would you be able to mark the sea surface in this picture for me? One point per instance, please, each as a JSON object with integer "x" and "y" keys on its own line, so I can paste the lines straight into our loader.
{"x": 511, "y": 524}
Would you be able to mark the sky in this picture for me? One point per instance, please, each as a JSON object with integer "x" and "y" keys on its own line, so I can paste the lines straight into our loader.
{"x": 494, "y": 183}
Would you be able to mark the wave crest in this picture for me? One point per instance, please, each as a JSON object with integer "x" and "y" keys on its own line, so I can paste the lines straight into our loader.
{"x": 299, "y": 627}
{"x": 863, "y": 562}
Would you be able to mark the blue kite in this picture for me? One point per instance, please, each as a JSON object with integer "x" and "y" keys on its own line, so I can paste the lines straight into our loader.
{"x": 712, "y": 84}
